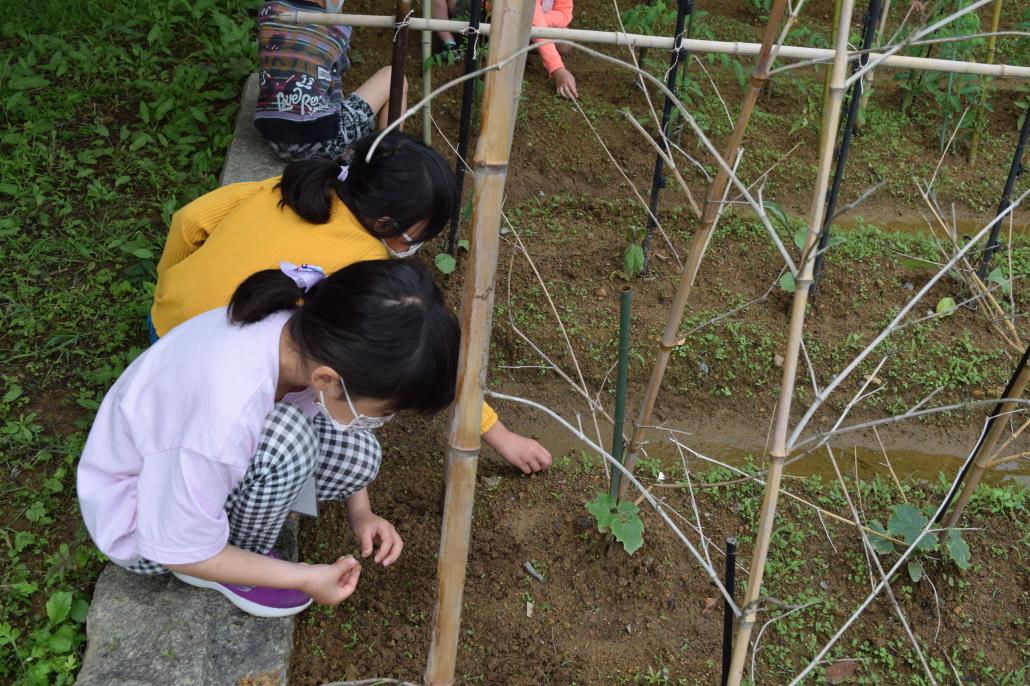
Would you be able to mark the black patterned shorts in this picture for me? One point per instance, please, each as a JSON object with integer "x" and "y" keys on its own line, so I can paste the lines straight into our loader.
{"x": 356, "y": 120}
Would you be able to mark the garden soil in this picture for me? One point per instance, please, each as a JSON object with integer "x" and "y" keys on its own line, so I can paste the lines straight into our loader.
{"x": 601, "y": 616}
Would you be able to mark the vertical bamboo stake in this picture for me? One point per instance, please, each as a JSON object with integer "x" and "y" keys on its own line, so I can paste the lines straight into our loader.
{"x": 427, "y": 78}
{"x": 997, "y": 424}
{"x": 490, "y": 165}
{"x": 778, "y": 453}
{"x": 400, "y": 58}
{"x": 974, "y": 141}
{"x": 713, "y": 200}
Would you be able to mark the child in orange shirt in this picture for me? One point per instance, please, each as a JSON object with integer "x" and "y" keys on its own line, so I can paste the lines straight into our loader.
{"x": 555, "y": 14}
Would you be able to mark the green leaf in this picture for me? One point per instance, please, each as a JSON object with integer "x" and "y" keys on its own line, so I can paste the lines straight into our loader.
{"x": 36, "y": 512}
{"x": 787, "y": 282}
{"x": 776, "y": 212}
{"x": 880, "y": 545}
{"x": 8, "y": 189}
{"x": 445, "y": 263}
{"x": 916, "y": 263}
{"x": 463, "y": 244}
{"x": 907, "y": 523}
{"x": 915, "y": 571}
{"x": 945, "y": 306}
{"x": 633, "y": 259}
{"x": 603, "y": 509}
{"x": 143, "y": 254}
{"x": 80, "y": 608}
{"x": 627, "y": 527}
{"x": 622, "y": 519}
{"x": 62, "y": 639}
{"x": 958, "y": 550}
{"x": 997, "y": 276}
{"x": 58, "y": 607}
{"x": 144, "y": 112}
{"x": 22, "y": 540}
{"x": 12, "y": 394}
{"x": 24, "y": 588}
{"x": 800, "y": 236}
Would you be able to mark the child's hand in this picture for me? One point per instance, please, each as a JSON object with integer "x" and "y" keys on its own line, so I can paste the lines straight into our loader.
{"x": 374, "y": 532}
{"x": 565, "y": 83}
{"x": 521, "y": 451}
{"x": 332, "y": 584}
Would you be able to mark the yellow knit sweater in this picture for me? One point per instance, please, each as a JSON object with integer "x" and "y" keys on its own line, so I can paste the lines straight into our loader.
{"x": 219, "y": 239}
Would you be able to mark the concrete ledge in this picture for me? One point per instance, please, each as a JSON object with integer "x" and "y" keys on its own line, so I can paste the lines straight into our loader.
{"x": 158, "y": 631}
{"x": 249, "y": 157}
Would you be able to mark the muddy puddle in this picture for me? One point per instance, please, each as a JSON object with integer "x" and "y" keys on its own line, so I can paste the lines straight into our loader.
{"x": 869, "y": 462}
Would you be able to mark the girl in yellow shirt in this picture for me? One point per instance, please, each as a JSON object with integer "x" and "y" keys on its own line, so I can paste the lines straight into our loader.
{"x": 329, "y": 213}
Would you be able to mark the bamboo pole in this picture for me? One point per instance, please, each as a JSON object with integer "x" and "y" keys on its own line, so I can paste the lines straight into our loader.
{"x": 634, "y": 40}
{"x": 985, "y": 450}
{"x": 400, "y": 58}
{"x": 699, "y": 244}
{"x": 992, "y": 41}
{"x": 427, "y": 78}
{"x": 778, "y": 453}
{"x": 851, "y": 117}
{"x": 490, "y": 165}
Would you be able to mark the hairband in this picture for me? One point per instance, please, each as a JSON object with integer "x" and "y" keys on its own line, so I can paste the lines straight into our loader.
{"x": 344, "y": 171}
{"x": 305, "y": 275}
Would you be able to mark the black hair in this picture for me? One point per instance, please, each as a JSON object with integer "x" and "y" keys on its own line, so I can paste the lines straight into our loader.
{"x": 406, "y": 181}
{"x": 380, "y": 324}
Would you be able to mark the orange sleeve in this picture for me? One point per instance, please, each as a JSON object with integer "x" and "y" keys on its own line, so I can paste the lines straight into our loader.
{"x": 192, "y": 224}
{"x": 560, "y": 15}
{"x": 489, "y": 418}
{"x": 548, "y": 53}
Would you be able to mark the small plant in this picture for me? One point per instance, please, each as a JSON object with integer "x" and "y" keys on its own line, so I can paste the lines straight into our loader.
{"x": 622, "y": 519}
{"x": 907, "y": 523}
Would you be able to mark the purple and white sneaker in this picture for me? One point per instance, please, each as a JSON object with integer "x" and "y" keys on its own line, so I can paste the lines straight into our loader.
{"x": 260, "y": 601}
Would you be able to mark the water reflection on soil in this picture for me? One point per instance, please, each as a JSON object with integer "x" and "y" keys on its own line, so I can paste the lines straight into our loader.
{"x": 869, "y": 462}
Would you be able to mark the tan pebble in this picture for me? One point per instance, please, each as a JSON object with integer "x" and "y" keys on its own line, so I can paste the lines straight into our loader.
{"x": 601, "y": 292}
{"x": 778, "y": 360}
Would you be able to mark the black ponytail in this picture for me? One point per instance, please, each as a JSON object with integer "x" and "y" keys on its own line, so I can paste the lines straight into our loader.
{"x": 405, "y": 181}
{"x": 381, "y": 325}
{"x": 307, "y": 188}
{"x": 262, "y": 294}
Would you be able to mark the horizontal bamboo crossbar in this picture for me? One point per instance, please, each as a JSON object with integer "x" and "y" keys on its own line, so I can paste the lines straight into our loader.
{"x": 635, "y": 40}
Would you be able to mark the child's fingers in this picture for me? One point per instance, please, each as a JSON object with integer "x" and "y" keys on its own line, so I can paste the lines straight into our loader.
{"x": 366, "y": 541}
{"x": 390, "y": 549}
{"x": 349, "y": 581}
{"x": 395, "y": 553}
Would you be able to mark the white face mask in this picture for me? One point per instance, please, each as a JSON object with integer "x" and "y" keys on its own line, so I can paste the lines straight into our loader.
{"x": 360, "y": 421}
{"x": 413, "y": 247}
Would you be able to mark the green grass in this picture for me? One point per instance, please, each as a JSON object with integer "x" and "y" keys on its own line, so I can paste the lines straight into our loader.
{"x": 114, "y": 114}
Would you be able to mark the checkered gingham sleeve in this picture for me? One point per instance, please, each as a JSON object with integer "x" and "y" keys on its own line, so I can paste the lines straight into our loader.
{"x": 348, "y": 460}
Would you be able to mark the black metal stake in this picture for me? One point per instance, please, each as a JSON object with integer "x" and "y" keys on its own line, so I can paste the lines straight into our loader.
{"x": 729, "y": 582}
{"x": 995, "y": 416}
{"x": 1006, "y": 195}
{"x": 872, "y": 18}
{"x": 684, "y": 9}
{"x": 468, "y": 90}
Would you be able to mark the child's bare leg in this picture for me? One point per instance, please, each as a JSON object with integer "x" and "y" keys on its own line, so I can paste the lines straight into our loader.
{"x": 443, "y": 9}
{"x": 376, "y": 92}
